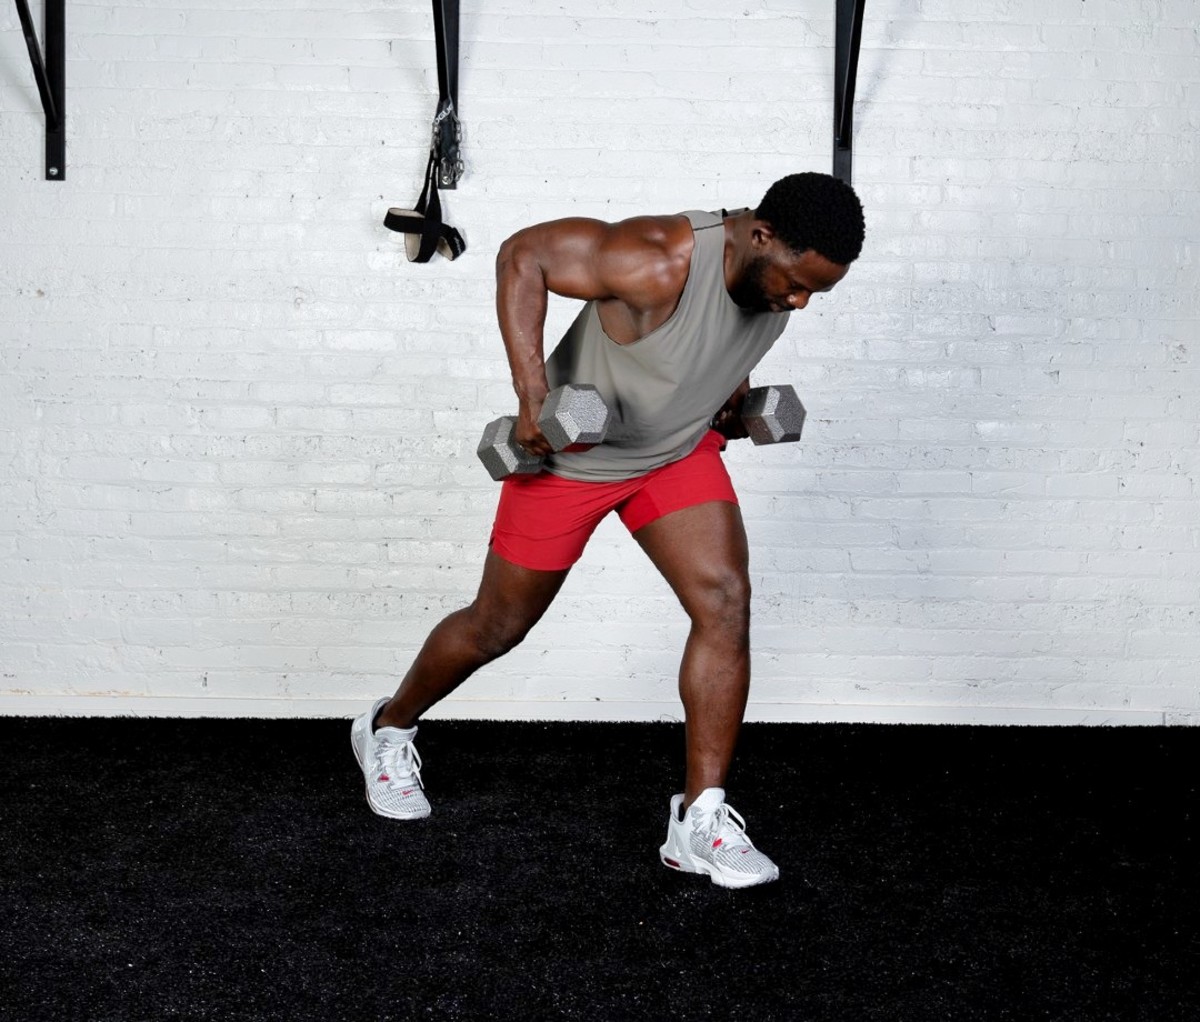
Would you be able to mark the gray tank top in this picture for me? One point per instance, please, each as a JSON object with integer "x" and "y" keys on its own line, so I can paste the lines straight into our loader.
{"x": 664, "y": 388}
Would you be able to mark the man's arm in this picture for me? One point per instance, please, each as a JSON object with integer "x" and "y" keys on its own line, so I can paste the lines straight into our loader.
{"x": 638, "y": 265}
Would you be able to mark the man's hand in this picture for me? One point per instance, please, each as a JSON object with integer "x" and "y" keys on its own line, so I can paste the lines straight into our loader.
{"x": 528, "y": 434}
{"x": 728, "y": 420}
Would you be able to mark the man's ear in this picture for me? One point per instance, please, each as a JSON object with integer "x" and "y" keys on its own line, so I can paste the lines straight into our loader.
{"x": 761, "y": 234}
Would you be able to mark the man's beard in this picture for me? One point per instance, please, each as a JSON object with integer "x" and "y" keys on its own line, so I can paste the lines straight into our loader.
{"x": 748, "y": 292}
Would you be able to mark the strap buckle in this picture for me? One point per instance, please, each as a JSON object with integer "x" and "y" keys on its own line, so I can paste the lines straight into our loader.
{"x": 446, "y": 144}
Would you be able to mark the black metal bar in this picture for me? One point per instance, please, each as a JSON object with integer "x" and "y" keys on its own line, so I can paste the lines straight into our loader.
{"x": 847, "y": 41}
{"x": 56, "y": 68}
{"x": 39, "y": 66}
{"x": 851, "y": 74}
{"x": 50, "y": 74}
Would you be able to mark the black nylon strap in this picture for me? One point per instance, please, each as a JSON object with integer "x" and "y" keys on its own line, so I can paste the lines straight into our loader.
{"x": 424, "y": 231}
{"x": 445, "y": 30}
{"x": 447, "y": 131}
{"x": 422, "y": 227}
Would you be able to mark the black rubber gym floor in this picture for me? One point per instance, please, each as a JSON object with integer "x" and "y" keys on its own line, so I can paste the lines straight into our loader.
{"x": 206, "y": 869}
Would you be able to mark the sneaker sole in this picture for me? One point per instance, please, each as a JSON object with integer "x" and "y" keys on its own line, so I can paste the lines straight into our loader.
{"x": 376, "y": 809}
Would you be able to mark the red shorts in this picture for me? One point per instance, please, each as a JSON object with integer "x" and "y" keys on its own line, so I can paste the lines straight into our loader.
{"x": 544, "y": 521}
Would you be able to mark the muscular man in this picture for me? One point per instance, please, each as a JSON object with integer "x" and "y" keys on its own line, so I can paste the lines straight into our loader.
{"x": 679, "y": 310}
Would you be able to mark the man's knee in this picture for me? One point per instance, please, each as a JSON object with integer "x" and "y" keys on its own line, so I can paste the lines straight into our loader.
{"x": 497, "y": 632}
{"x": 720, "y": 599}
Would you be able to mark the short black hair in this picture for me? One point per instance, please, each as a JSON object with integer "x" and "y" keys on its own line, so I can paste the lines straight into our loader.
{"x": 816, "y": 211}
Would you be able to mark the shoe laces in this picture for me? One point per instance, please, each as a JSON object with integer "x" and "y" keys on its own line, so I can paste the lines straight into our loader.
{"x": 725, "y": 828}
{"x": 399, "y": 762}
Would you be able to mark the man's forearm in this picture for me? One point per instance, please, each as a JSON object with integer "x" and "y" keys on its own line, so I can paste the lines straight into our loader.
{"x": 521, "y": 301}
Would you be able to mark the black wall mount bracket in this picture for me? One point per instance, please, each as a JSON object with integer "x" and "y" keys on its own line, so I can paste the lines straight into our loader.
{"x": 50, "y": 72}
{"x": 848, "y": 21}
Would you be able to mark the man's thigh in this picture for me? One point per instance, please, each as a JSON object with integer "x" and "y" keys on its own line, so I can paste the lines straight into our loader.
{"x": 699, "y": 478}
{"x": 703, "y": 554}
{"x": 543, "y": 522}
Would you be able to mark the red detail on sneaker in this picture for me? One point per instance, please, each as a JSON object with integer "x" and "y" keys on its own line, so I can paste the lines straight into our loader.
{"x": 717, "y": 843}
{"x": 408, "y": 792}
{"x": 745, "y": 851}
{"x": 384, "y": 777}
{"x": 671, "y": 862}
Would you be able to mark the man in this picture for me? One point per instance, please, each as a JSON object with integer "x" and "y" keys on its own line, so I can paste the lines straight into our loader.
{"x": 679, "y": 310}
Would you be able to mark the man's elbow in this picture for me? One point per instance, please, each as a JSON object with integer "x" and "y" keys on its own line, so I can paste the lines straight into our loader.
{"x": 516, "y": 256}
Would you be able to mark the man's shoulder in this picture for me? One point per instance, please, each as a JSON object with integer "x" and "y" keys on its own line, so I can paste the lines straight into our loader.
{"x": 645, "y": 263}
{"x": 665, "y": 232}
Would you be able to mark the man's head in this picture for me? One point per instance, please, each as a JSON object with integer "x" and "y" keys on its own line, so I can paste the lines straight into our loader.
{"x": 808, "y": 229}
{"x": 815, "y": 211}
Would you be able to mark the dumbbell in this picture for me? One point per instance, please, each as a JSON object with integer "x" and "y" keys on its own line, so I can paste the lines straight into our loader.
{"x": 571, "y": 414}
{"x": 773, "y": 415}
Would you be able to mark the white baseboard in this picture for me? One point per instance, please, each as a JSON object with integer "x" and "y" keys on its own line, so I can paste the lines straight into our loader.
{"x": 562, "y": 710}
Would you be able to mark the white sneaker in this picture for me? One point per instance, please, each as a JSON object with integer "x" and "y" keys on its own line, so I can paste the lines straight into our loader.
{"x": 391, "y": 767}
{"x": 710, "y": 838}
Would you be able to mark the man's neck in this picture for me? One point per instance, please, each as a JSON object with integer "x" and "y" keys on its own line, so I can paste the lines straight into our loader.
{"x": 737, "y": 244}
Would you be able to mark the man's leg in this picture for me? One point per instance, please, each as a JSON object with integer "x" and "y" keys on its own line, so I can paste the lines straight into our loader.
{"x": 510, "y": 601}
{"x": 702, "y": 553}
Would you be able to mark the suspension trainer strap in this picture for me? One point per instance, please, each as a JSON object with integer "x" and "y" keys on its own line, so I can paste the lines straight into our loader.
{"x": 447, "y": 131}
{"x": 422, "y": 227}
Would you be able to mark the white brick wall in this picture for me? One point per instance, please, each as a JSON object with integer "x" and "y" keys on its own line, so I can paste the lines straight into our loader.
{"x": 237, "y": 427}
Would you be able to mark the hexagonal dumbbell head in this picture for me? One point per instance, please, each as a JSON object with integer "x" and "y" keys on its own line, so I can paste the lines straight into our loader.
{"x": 574, "y": 414}
{"x": 773, "y": 415}
{"x": 499, "y": 452}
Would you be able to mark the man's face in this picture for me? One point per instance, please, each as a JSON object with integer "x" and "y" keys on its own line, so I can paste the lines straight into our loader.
{"x": 778, "y": 279}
